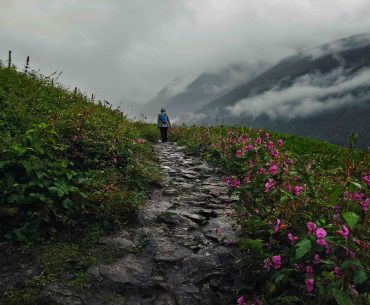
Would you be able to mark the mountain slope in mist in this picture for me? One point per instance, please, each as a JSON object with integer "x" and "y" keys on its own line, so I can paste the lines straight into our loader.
{"x": 184, "y": 98}
{"x": 322, "y": 92}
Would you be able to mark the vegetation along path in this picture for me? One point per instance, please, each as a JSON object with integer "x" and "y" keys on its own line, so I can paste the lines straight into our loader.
{"x": 180, "y": 249}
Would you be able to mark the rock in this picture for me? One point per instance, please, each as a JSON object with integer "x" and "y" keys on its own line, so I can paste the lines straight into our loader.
{"x": 129, "y": 271}
{"x": 165, "y": 299}
{"x": 196, "y": 218}
{"x": 167, "y": 250}
{"x": 177, "y": 220}
{"x": 207, "y": 213}
{"x": 121, "y": 241}
{"x": 169, "y": 192}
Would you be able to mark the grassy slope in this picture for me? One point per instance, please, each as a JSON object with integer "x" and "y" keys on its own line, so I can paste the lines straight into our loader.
{"x": 69, "y": 168}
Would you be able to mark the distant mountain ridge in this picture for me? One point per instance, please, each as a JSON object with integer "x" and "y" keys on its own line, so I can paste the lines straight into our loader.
{"x": 184, "y": 97}
{"x": 322, "y": 92}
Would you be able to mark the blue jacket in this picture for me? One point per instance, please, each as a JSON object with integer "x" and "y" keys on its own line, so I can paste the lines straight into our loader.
{"x": 160, "y": 123}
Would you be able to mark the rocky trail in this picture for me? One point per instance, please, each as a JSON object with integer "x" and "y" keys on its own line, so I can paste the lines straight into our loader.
{"x": 180, "y": 250}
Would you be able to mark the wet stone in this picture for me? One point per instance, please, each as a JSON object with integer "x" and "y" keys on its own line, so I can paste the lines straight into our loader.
{"x": 130, "y": 271}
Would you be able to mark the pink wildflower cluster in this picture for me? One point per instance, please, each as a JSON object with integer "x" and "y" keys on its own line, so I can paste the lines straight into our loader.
{"x": 241, "y": 301}
{"x": 366, "y": 178}
{"x": 274, "y": 262}
{"x": 292, "y": 239}
{"x": 231, "y": 182}
{"x": 269, "y": 185}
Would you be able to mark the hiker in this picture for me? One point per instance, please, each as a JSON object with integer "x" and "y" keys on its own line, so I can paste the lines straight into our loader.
{"x": 163, "y": 124}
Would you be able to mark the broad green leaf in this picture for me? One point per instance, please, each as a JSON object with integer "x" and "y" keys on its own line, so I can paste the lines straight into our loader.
{"x": 278, "y": 277}
{"x": 56, "y": 190}
{"x": 12, "y": 198}
{"x": 351, "y": 219}
{"x": 68, "y": 203}
{"x": 351, "y": 262}
{"x": 255, "y": 244}
{"x": 357, "y": 185}
{"x": 360, "y": 277}
{"x": 302, "y": 248}
{"x": 341, "y": 297}
{"x": 337, "y": 190}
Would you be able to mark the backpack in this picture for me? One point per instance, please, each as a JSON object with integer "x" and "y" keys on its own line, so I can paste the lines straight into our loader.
{"x": 163, "y": 118}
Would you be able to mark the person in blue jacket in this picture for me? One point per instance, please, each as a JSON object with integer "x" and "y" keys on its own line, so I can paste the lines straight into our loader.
{"x": 163, "y": 124}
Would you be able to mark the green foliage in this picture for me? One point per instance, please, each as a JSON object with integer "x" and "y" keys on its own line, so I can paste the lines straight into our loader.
{"x": 284, "y": 185}
{"x": 65, "y": 161}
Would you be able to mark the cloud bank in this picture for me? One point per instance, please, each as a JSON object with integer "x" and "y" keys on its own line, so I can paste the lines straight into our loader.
{"x": 128, "y": 50}
{"x": 308, "y": 95}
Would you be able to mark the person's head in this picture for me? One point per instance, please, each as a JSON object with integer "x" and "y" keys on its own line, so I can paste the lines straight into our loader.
{"x": 163, "y": 110}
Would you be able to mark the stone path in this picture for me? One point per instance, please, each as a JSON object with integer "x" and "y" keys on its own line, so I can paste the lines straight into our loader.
{"x": 180, "y": 251}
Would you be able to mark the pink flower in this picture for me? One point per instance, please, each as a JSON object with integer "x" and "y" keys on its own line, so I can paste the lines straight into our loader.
{"x": 298, "y": 267}
{"x": 366, "y": 179}
{"x": 280, "y": 142}
{"x": 273, "y": 169}
{"x": 298, "y": 190}
{"x": 320, "y": 233}
{"x": 239, "y": 153}
{"x": 309, "y": 269}
{"x": 229, "y": 182}
{"x": 259, "y": 141}
{"x": 277, "y": 226}
{"x": 316, "y": 259}
{"x": 350, "y": 254}
{"x": 292, "y": 238}
{"x": 346, "y": 195}
{"x": 365, "y": 205}
{"x": 275, "y": 153}
{"x": 240, "y": 301}
{"x": 357, "y": 197}
{"x": 321, "y": 242}
{"x": 267, "y": 136}
{"x": 270, "y": 145}
{"x": 267, "y": 264}
{"x": 276, "y": 259}
{"x": 236, "y": 183}
{"x": 337, "y": 272}
{"x": 310, "y": 285}
{"x": 344, "y": 232}
{"x": 311, "y": 227}
{"x": 268, "y": 185}
{"x": 249, "y": 147}
{"x": 320, "y": 237}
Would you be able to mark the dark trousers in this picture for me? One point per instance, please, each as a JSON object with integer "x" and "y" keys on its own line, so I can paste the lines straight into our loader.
{"x": 163, "y": 133}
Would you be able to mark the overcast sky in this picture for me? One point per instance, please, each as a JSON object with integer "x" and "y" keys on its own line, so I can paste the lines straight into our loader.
{"x": 129, "y": 49}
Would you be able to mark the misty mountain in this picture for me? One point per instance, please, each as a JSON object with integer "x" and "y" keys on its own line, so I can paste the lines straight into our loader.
{"x": 183, "y": 98}
{"x": 322, "y": 92}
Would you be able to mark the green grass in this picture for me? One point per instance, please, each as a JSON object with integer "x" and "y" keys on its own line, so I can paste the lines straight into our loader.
{"x": 69, "y": 168}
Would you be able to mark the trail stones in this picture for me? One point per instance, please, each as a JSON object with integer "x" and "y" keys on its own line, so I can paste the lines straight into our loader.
{"x": 177, "y": 254}
{"x": 131, "y": 271}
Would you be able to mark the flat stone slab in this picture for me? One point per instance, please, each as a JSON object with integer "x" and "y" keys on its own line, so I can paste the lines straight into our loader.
{"x": 131, "y": 270}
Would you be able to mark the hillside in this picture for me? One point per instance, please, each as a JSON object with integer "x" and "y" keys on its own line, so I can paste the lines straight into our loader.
{"x": 302, "y": 214}
{"x": 183, "y": 97}
{"x": 87, "y": 217}
{"x": 319, "y": 92}
{"x": 66, "y": 161}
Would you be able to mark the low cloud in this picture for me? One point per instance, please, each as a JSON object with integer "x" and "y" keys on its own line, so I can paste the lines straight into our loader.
{"x": 309, "y": 95}
{"x": 126, "y": 50}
